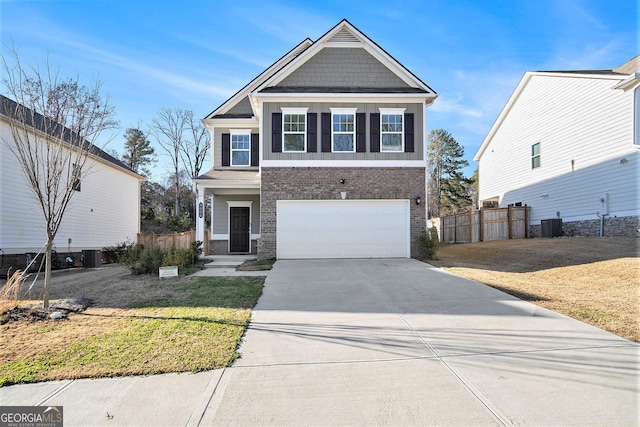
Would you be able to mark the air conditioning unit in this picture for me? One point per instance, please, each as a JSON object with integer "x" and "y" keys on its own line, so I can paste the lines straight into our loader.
{"x": 551, "y": 227}
{"x": 91, "y": 258}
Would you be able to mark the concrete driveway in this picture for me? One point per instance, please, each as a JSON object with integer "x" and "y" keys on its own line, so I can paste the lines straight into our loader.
{"x": 398, "y": 342}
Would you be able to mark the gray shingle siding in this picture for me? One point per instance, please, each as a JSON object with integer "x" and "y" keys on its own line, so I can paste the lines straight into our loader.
{"x": 340, "y": 67}
{"x": 241, "y": 108}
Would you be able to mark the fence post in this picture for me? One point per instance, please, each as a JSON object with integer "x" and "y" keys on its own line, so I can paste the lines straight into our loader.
{"x": 526, "y": 221}
{"x": 481, "y": 225}
{"x": 510, "y": 220}
{"x": 455, "y": 228}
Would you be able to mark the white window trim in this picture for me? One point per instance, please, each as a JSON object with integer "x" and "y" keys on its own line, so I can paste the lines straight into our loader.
{"x": 538, "y": 155}
{"x": 231, "y": 150}
{"x": 392, "y": 111}
{"x": 291, "y": 110}
{"x": 351, "y": 111}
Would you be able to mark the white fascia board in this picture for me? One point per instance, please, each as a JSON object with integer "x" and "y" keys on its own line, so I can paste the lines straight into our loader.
{"x": 629, "y": 83}
{"x": 345, "y": 97}
{"x": 345, "y": 163}
{"x": 230, "y": 123}
{"x": 226, "y": 183}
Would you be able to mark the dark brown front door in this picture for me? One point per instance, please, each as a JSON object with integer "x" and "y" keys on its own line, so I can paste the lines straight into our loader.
{"x": 239, "y": 230}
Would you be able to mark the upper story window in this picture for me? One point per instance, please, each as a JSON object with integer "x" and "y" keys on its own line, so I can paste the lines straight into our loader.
{"x": 392, "y": 129}
{"x": 294, "y": 130}
{"x": 240, "y": 148}
{"x": 535, "y": 155}
{"x": 343, "y": 127}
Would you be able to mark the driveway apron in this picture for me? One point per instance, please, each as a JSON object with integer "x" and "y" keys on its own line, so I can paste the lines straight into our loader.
{"x": 399, "y": 342}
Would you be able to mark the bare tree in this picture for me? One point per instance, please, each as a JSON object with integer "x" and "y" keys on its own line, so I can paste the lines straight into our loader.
{"x": 168, "y": 126}
{"x": 184, "y": 140}
{"x": 53, "y": 122}
{"x": 194, "y": 150}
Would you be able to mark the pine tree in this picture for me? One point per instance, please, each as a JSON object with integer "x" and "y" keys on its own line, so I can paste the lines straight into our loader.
{"x": 138, "y": 151}
{"x": 448, "y": 188}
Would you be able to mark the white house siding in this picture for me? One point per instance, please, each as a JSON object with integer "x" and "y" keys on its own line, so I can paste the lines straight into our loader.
{"x": 105, "y": 212}
{"x": 577, "y": 119}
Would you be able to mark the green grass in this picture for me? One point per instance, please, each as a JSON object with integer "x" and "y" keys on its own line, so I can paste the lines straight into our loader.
{"x": 196, "y": 325}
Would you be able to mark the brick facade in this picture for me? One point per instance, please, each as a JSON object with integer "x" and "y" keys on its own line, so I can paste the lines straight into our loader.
{"x": 627, "y": 226}
{"x": 313, "y": 183}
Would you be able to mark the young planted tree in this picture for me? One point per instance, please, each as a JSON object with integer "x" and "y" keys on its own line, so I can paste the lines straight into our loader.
{"x": 448, "y": 188}
{"x": 53, "y": 122}
{"x": 138, "y": 152}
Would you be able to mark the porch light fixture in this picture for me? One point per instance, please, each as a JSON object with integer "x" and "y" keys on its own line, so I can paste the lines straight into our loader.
{"x": 342, "y": 180}
{"x": 418, "y": 200}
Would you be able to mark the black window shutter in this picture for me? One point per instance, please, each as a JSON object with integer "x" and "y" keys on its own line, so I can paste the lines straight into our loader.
{"x": 326, "y": 132}
{"x": 255, "y": 150}
{"x": 408, "y": 133}
{"x": 312, "y": 132}
{"x": 226, "y": 149}
{"x": 375, "y": 132}
{"x": 361, "y": 133}
{"x": 276, "y": 132}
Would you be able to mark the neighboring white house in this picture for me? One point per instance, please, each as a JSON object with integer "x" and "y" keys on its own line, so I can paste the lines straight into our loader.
{"x": 566, "y": 144}
{"x": 104, "y": 211}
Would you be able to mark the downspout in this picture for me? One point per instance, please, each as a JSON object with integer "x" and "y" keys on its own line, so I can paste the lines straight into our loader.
{"x": 601, "y": 216}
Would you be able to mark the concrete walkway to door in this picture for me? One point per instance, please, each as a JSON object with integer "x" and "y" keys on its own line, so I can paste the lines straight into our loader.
{"x": 398, "y": 342}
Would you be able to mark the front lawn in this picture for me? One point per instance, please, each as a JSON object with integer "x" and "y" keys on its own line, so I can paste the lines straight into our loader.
{"x": 147, "y": 326}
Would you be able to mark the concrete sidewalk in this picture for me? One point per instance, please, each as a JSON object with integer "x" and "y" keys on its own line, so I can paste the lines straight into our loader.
{"x": 379, "y": 342}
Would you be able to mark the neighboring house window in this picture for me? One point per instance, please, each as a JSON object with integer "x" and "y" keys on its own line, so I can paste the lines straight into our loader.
{"x": 240, "y": 148}
{"x": 392, "y": 129}
{"x": 76, "y": 175}
{"x": 294, "y": 130}
{"x": 535, "y": 155}
{"x": 343, "y": 126}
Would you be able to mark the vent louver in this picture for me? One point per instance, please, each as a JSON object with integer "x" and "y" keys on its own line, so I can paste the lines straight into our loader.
{"x": 344, "y": 36}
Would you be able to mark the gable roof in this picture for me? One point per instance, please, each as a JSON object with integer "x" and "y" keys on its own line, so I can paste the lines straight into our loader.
{"x": 344, "y": 34}
{"x": 618, "y": 74}
{"x": 9, "y": 109}
{"x": 259, "y": 79}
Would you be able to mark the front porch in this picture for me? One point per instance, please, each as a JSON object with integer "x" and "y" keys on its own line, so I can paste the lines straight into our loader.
{"x": 234, "y": 197}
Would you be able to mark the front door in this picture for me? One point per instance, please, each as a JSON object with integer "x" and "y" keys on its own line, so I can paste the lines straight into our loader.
{"x": 239, "y": 230}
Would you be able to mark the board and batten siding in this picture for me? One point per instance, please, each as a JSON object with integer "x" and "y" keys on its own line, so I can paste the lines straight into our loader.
{"x": 325, "y": 107}
{"x": 221, "y": 213}
{"x": 104, "y": 213}
{"x": 584, "y": 127}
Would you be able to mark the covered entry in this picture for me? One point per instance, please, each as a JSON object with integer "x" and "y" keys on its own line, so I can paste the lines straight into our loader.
{"x": 343, "y": 229}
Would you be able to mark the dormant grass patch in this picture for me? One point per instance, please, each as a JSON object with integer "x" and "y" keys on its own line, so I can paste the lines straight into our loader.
{"x": 595, "y": 280}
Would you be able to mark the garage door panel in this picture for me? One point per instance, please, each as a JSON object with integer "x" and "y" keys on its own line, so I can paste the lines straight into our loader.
{"x": 343, "y": 229}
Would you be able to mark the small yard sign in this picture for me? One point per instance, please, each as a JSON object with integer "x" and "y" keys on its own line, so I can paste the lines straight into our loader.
{"x": 169, "y": 271}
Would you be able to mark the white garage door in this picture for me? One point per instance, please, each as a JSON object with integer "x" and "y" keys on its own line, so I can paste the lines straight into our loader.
{"x": 342, "y": 229}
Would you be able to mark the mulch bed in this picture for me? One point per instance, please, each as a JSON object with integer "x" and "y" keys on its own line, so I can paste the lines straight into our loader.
{"x": 58, "y": 310}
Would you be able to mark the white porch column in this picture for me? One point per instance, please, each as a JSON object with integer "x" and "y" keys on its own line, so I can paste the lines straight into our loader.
{"x": 213, "y": 200}
{"x": 200, "y": 214}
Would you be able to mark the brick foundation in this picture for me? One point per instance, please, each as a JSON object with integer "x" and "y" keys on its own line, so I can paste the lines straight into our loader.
{"x": 613, "y": 227}
{"x": 307, "y": 183}
{"x": 221, "y": 247}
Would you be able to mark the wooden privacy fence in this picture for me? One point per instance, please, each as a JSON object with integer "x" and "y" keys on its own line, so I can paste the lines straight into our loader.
{"x": 486, "y": 224}
{"x": 175, "y": 240}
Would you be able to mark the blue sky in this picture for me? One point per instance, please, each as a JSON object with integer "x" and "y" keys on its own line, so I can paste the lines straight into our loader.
{"x": 195, "y": 54}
